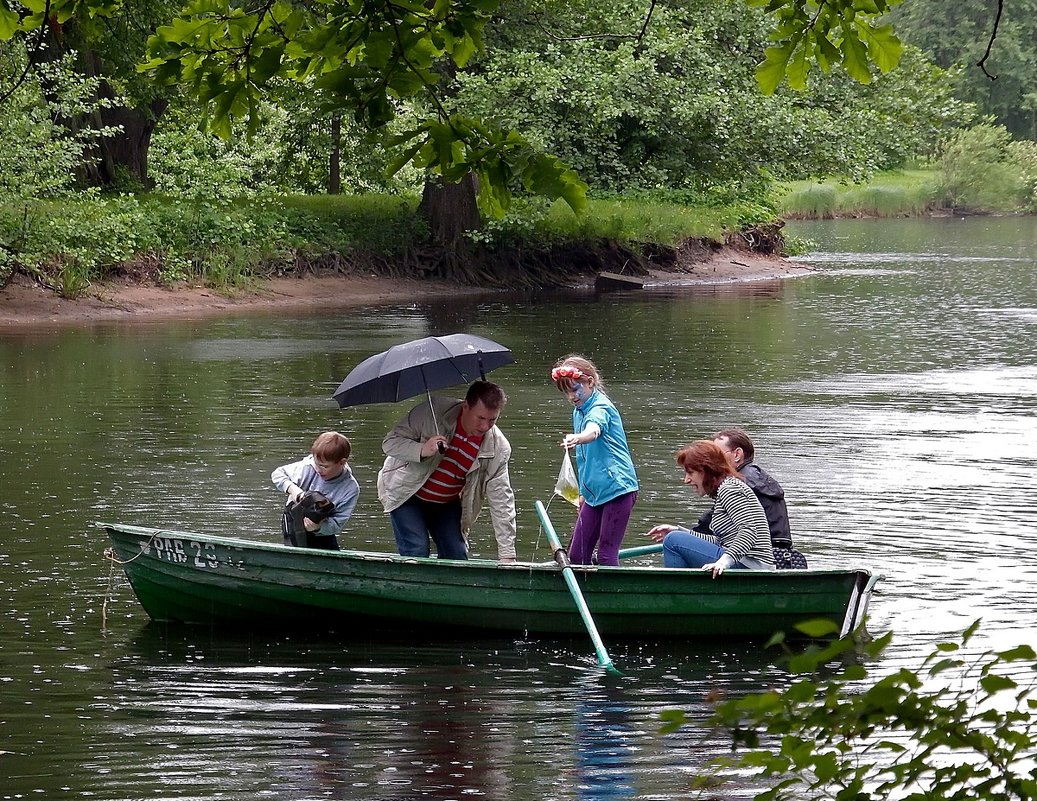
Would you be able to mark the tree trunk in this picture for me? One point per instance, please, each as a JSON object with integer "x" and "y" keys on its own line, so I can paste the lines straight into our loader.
{"x": 451, "y": 210}
{"x": 126, "y": 153}
{"x": 335, "y": 162}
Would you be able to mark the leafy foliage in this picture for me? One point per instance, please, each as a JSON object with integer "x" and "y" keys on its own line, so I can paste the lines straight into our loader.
{"x": 367, "y": 58}
{"x": 40, "y": 156}
{"x": 981, "y": 168}
{"x": 1024, "y": 155}
{"x": 675, "y": 107}
{"x": 958, "y": 727}
{"x": 827, "y": 32}
{"x": 190, "y": 163}
{"x": 364, "y": 58}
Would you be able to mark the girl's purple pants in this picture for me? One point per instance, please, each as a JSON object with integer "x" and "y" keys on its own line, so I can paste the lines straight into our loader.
{"x": 602, "y": 527}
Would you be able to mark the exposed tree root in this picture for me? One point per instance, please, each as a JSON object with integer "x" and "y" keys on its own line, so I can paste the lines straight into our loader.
{"x": 525, "y": 267}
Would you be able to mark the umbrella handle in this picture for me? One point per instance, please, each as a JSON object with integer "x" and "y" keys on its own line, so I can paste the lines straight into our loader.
{"x": 441, "y": 447}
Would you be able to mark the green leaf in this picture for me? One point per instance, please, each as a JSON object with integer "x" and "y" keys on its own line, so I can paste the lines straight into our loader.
{"x": 8, "y": 23}
{"x": 818, "y": 628}
{"x": 494, "y": 195}
{"x": 266, "y": 64}
{"x": 797, "y": 68}
{"x": 463, "y": 50}
{"x": 945, "y": 664}
{"x": 993, "y": 683}
{"x": 855, "y": 55}
{"x": 971, "y": 630}
{"x": 801, "y": 691}
{"x": 855, "y": 673}
{"x": 771, "y": 72}
{"x": 884, "y": 47}
{"x": 672, "y": 720}
{"x": 379, "y": 110}
{"x": 403, "y": 158}
{"x": 778, "y": 638}
{"x": 826, "y": 53}
{"x": 407, "y": 83}
{"x": 1018, "y": 653}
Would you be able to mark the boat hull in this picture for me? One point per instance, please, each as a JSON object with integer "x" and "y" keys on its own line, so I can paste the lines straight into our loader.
{"x": 183, "y": 577}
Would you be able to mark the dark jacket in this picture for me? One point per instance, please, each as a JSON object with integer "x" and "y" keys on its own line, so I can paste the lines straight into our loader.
{"x": 772, "y": 498}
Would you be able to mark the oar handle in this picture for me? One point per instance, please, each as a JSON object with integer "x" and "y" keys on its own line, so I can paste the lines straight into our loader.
{"x": 574, "y": 589}
{"x": 640, "y": 550}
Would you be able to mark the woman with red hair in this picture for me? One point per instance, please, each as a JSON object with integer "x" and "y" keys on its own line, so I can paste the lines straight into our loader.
{"x": 739, "y": 535}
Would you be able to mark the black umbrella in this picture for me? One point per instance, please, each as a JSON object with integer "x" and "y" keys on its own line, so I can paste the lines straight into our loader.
{"x": 418, "y": 367}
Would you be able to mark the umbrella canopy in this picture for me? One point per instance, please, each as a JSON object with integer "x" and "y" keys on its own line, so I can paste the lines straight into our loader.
{"x": 418, "y": 367}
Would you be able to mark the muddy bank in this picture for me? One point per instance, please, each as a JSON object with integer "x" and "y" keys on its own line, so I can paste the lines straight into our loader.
{"x": 25, "y": 303}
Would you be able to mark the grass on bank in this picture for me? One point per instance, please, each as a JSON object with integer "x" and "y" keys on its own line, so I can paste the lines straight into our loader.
{"x": 895, "y": 194}
{"x": 981, "y": 170}
{"x": 71, "y": 242}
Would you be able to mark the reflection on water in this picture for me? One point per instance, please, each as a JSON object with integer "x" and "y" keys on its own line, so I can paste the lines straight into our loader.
{"x": 892, "y": 393}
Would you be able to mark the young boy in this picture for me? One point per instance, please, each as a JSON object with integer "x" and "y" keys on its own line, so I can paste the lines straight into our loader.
{"x": 325, "y": 471}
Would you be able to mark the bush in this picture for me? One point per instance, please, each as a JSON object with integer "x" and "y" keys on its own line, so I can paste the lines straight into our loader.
{"x": 69, "y": 243}
{"x": 977, "y": 172}
{"x": 1023, "y": 155}
{"x": 955, "y": 728}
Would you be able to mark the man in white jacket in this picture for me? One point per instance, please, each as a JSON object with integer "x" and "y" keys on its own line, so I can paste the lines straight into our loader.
{"x": 442, "y": 462}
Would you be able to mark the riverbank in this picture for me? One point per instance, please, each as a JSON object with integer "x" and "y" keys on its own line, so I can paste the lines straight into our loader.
{"x": 24, "y": 303}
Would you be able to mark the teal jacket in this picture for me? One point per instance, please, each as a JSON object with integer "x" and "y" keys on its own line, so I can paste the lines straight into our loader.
{"x": 603, "y": 466}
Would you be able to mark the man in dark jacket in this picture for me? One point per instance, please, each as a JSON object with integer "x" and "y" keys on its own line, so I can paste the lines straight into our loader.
{"x": 739, "y": 449}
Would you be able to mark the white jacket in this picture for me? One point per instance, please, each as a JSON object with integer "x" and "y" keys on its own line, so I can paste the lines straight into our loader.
{"x": 404, "y": 471}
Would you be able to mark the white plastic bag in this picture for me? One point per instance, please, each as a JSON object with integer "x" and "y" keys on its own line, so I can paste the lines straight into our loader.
{"x": 566, "y": 485}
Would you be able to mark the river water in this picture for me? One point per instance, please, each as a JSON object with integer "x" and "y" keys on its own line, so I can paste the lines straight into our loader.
{"x": 892, "y": 392}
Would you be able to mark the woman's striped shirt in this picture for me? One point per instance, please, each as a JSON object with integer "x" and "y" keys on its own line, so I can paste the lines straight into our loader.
{"x": 739, "y": 524}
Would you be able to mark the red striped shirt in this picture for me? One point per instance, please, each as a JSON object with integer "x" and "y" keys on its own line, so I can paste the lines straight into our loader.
{"x": 447, "y": 480}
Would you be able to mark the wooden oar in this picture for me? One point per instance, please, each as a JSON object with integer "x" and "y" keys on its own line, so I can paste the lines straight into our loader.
{"x": 640, "y": 550}
{"x": 562, "y": 558}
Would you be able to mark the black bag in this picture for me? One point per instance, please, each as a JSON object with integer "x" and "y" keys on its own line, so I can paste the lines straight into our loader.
{"x": 317, "y": 507}
{"x": 789, "y": 559}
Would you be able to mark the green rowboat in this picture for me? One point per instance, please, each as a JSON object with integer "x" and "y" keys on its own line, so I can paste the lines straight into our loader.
{"x": 184, "y": 577}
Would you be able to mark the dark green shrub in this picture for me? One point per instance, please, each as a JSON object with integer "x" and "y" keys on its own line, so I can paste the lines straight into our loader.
{"x": 959, "y": 727}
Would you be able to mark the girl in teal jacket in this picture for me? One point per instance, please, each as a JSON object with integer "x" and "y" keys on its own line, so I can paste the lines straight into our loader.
{"x": 605, "y": 470}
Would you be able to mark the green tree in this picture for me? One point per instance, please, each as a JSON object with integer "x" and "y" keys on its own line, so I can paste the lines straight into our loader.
{"x": 674, "y": 104}
{"x": 105, "y": 41}
{"x": 366, "y": 58}
{"x": 108, "y": 49}
{"x": 982, "y": 168}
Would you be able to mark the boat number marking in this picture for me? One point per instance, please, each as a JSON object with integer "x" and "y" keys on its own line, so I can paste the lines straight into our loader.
{"x": 173, "y": 550}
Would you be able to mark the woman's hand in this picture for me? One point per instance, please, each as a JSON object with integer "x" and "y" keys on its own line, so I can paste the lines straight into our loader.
{"x": 720, "y": 565}
{"x": 658, "y": 533}
{"x": 570, "y": 441}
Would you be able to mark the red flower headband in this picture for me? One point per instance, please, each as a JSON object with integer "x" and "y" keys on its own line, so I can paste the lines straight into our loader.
{"x": 569, "y": 372}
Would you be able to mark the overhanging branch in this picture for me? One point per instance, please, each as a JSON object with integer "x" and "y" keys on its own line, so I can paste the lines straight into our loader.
{"x": 990, "y": 45}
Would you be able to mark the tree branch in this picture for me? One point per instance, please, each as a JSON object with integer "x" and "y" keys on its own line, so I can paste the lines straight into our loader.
{"x": 30, "y": 59}
{"x": 618, "y": 36}
{"x": 993, "y": 35}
